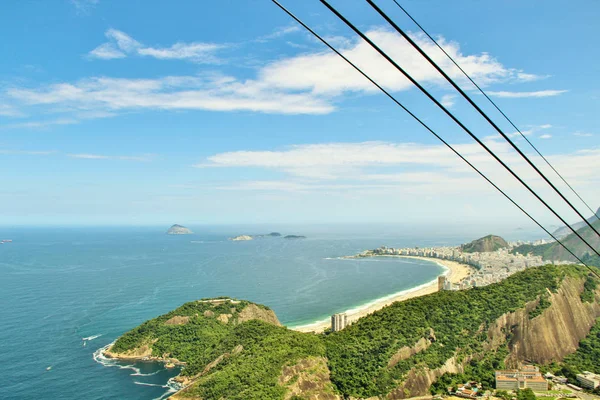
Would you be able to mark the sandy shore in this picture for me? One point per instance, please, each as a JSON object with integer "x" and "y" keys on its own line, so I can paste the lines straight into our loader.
{"x": 455, "y": 273}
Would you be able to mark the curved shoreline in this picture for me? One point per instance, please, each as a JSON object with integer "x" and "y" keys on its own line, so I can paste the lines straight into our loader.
{"x": 454, "y": 272}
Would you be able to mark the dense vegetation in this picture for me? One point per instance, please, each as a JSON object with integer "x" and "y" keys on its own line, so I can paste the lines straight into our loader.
{"x": 587, "y": 356}
{"x": 485, "y": 244}
{"x": 254, "y": 372}
{"x": 480, "y": 370}
{"x": 554, "y": 251}
{"x": 253, "y": 353}
{"x": 358, "y": 355}
{"x": 191, "y": 342}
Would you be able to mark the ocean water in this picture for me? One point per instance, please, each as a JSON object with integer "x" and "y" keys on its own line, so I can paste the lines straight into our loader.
{"x": 65, "y": 293}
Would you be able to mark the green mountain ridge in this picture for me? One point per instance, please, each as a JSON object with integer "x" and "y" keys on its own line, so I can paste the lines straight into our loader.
{"x": 565, "y": 231}
{"x": 554, "y": 251}
{"x": 399, "y": 351}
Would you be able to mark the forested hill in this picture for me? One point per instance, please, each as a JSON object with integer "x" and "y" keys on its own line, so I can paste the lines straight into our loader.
{"x": 564, "y": 231}
{"x": 399, "y": 351}
{"x": 554, "y": 251}
{"x": 485, "y": 244}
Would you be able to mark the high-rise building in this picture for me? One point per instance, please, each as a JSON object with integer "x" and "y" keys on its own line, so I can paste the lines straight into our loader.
{"x": 338, "y": 322}
{"x": 441, "y": 282}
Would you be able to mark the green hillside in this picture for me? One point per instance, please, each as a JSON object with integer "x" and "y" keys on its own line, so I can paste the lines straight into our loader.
{"x": 554, "y": 251}
{"x": 485, "y": 244}
{"x": 247, "y": 356}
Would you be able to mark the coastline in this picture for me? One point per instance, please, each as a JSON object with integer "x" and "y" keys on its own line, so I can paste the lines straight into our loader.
{"x": 454, "y": 272}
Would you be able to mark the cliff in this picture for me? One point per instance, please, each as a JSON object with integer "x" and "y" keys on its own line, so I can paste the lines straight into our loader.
{"x": 179, "y": 230}
{"x": 485, "y": 244}
{"x": 544, "y": 339}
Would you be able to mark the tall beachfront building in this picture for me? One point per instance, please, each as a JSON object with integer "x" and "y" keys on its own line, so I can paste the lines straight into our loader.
{"x": 339, "y": 321}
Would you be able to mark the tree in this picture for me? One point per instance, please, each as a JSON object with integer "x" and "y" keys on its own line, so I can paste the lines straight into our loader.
{"x": 525, "y": 394}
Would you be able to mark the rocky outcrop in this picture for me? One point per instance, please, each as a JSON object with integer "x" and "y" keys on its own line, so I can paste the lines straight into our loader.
{"x": 308, "y": 379}
{"x": 142, "y": 352}
{"x": 177, "y": 320}
{"x": 550, "y": 336}
{"x": 409, "y": 351}
{"x": 252, "y": 311}
{"x": 418, "y": 381}
{"x": 241, "y": 238}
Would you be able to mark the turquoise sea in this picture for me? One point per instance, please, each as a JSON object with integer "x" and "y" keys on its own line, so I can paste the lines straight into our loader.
{"x": 65, "y": 293}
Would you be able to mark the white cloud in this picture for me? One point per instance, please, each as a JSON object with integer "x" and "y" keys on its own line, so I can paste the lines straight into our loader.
{"x": 27, "y": 152}
{"x": 540, "y": 93}
{"x": 448, "y": 100}
{"x": 121, "y": 44}
{"x": 325, "y": 72}
{"x": 123, "y": 40}
{"x": 198, "y": 52}
{"x": 545, "y": 136}
{"x": 408, "y": 167}
{"x": 7, "y": 110}
{"x": 309, "y": 83}
{"x": 277, "y": 33}
{"x": 220, "y": 93}
{"x": 39, "y": 124}
{"x": 84, "y": 6}
{"x": 88, "y": 156}
{"x": 107, "y": 51}
{"x": 583, "y": 134}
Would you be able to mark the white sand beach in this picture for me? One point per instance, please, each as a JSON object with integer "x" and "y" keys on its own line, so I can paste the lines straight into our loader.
{"x": 455, "y": 273}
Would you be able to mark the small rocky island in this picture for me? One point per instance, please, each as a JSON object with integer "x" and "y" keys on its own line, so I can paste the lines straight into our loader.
{"x": 294, "y": 237}
{"x": 179, "y": 230}
{"x": 252, "y": 237}
{"x": 241, "y": 238}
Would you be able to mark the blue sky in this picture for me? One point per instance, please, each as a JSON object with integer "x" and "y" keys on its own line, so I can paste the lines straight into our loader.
{"x": 144, "y": 112}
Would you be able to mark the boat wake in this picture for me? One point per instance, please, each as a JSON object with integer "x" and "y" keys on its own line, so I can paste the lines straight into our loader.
{"x": 89, "y": 338}
{"x": 150, "y": 384}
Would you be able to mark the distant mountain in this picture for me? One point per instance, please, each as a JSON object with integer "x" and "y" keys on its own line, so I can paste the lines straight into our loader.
{"x": 565, "y": 231}
{"x": 554, "y": 251}
{"x": 485, "y": 244}
{"x": 179, "y": 230}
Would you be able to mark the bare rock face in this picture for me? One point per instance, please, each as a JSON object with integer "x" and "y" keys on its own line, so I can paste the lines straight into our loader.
{"x": 557, "y": 331}
{"x": 179, "y": 230}
{"x": 308, "y": 379}
{"x": 548, "y": 337}
{"x": 407, "y": 352}
{"x": 252, "y": 311}
{"x": 177, "y": 320}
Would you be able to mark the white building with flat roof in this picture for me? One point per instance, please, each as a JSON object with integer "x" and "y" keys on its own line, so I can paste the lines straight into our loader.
{"x": 339, "y": 321}
{"x": 588, "y": 380}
